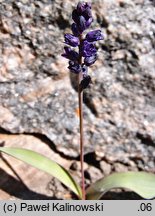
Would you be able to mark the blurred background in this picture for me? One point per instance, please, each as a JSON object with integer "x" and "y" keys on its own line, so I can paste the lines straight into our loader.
{"x": 38, "y": 98}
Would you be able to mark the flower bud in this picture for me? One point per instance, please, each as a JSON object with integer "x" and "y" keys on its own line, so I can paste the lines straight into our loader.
{"x": 71, "y": 40}
{"x": 88, "y": 22}
{"x": 82, "y": 16}
{"x": 85, "y": 83}
{"x": 81, "y": 24}
{"x": 74, "y": 67}
{"x": 87, "y": 13}
{"x": 94, "y": 36}
{"x": 88, "y": 16}
{"x": 75, "y": 29}
{"x": 82, "y": 6}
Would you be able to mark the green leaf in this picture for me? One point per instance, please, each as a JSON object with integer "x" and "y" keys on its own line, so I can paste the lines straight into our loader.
{"x": 45, "y": 164}
{"x": 141, "y": 183}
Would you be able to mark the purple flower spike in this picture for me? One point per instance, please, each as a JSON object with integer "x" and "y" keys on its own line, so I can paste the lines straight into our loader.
{"x": 74, "y": 67}
{"x": 82, "y": 17}
{"x": 70, "y": 54}
{"x": 94, "y": 36}
{"x": 90, "y": 60}
{"x": 88, "y": 49}
{"x": 71, "y": 40}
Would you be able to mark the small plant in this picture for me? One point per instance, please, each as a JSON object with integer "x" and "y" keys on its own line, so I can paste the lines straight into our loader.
{"x": 81, "y": 60}
{"x": 140, "y": 182}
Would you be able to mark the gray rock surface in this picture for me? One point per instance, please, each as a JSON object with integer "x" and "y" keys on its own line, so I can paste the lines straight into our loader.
{"x": 38, "y": 94}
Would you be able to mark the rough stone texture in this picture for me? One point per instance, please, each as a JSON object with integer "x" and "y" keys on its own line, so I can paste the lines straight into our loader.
{"x": 38, "y": 95}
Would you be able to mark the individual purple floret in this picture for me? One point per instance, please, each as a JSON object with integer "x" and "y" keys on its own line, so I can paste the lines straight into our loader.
{"x": 94, "y": 36}
{"x": 90, "y": 60}
{"x": 71, "y": 40}
{"x": 70, "y": 54}
{"x": 88, "y": 49}
{"x": 87, "y": 52}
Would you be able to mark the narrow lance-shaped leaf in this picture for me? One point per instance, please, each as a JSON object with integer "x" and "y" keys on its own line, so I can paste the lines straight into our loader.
{"x": 45, "y": 164}
{"x": 141, "y": 183}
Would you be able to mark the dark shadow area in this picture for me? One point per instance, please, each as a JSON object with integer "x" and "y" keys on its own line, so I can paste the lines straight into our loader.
{"x": 3, "y": 131}
{"x": 18, "y": 189}
{"x": 153, "y": 2}
{"x": 87, "y": 99}
{"x": 90, "y": 158}
{"x": 1, "y": 145}
{"x": 11, "y": 168}
{"x": 121, "y": 196}
{"x": 73, "y": 81}
{"x": 61, "y": 22}
{"x": 52, "y": 146}
{"x": 145, "y": 139}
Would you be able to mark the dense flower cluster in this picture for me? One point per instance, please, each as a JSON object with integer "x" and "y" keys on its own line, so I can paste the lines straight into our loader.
{"x": 82, "y": 17}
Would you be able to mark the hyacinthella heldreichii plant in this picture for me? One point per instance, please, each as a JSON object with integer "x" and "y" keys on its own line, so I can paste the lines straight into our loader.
{"x": 81, "y": 60}
{"x": 142, "y": 183}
